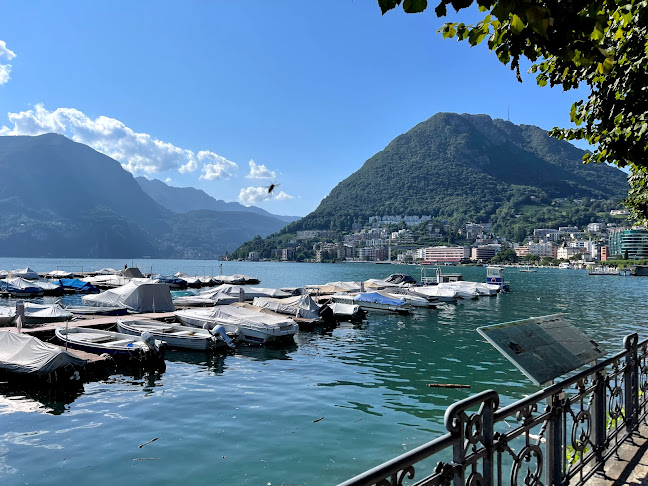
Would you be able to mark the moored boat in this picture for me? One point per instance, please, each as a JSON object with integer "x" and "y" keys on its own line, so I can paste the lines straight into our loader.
{"x": 178, "y": 336}
{"x": 249, "y": 326}
{"x": 373, "y": 301}
{"x": 142, "y": 348}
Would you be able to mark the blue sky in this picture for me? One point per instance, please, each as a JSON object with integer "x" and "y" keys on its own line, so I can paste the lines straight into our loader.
{"x": 192, "y": 92}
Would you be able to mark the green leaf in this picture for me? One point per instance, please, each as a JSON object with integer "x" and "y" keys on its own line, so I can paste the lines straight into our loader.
{"x": 517, "y": 25}
{"x": 598, "y": 33}
{"x": 414, "y": 6}
{"x": 386, "y": 5}
{"x": 441, "y": 10}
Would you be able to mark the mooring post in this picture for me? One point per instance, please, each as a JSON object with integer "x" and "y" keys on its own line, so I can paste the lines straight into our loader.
{"x": 20, "y": 315}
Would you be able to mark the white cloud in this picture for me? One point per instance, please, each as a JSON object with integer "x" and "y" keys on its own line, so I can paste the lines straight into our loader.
{"x": 260, "y": 171}
{"x": 5, "y": 69}
{"x": 137, "y": 152}
{"x": 188, "y": 167}
{"x": 168, "y": 180}
{"x": 252, "y": 195}
{"x": 215, "y": 166}
{"x": 5, "y": 52}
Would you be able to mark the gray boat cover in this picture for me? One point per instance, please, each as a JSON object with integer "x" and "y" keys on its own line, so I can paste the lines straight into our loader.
{"x": 137, "y": 297}
{"x": 21, "y": 353}
{"x": 250, "y": 292}
{"x": 26, "y": 272}
{"x": 46, "y": 312}
{"x": 60, "y": 274}
{"x": 298, "y": 306}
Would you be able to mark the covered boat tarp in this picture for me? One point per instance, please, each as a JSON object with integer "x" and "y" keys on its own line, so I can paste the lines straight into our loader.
{"x": 233, "y": 291}
{"x": 191, "y": 281}
{"x": 38, "y": 313}
{"x": 132, "y": 272}
{"x": 6, "y": 315}
{"x": 400, "y": 278}
{"x": 19, "y": 284}
{"x": 78, "y": 285}
{"x": 107, "y": 280}
{"x": 105, "y": 271}
{"x": 335, "y": 287}
{"x": 298, "y": 306}
{"x": 20, "y": 353}
{"x": 236, "y": 279}
{"x": 233, "y": 315}
{"x": 374, "y": 283}
{"x": 26, "y": 272}
{"x": 60, "y": 274}
{"x": 173, "y": 281}
{"x": 137, "y": 297}
{"x": 378, "y": 298}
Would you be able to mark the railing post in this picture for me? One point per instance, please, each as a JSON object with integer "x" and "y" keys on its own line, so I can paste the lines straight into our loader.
{"x": 631, "y": 382}
{"x": 555, "y": 453}
{"x": 489, "y": 432}
{"x": 599, "y": 419}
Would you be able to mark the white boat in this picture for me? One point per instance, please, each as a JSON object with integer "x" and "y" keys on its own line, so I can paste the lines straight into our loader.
{"x": 299, "y": 306}
{"x": 178, "y": 336}
{"x": 233, "y": 292}
{"x": 527, "y": 269}
{"x": 373, "y": 301}
{"x": 347, "y": 311}
{"x": 141, "y": 348}
{"x": 248, "y": 325}
{"x": 564, "y": 265}
{"x": 7, "y": 315}
{"x": 137, "y": 297}
{"x": 45, "y": 313}
{"x": 26, "y": 273}
{"x": 495, "y": 276}
{"x": 19, "y": 287}
{"x": 191, "y": 281}
{"x": 413, "y": 300}
{"x": 462, "y": 292}
{"x": 56, "y": 274}
{"x": 435, "y": 292}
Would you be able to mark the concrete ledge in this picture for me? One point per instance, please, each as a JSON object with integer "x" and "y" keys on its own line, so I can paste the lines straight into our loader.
{"x": 630, "y": 466}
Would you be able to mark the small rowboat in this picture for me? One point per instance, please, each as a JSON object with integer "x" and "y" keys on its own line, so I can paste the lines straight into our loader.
{"x": 141, "y": 348}
{"x": 178, "y": 336}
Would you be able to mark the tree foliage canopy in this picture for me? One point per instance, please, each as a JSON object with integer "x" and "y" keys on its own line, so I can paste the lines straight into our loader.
{"x": 601, "y": 44}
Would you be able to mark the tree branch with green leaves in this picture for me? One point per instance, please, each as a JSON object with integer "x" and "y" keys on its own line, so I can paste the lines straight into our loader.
{"x": 601, "y": 45}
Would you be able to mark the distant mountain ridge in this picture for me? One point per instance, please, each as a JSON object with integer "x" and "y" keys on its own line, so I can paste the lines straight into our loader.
{"x": 183, "y": 199}
{"x": 59, "y": 198}
{"x": 463, "y": 167}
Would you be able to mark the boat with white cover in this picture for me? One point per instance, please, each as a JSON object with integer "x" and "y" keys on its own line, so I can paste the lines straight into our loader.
{"x": 347, "y": 312}
{"x": 20, "y": 287}
{"x": 248, "y": 325}
{"x": 137, "y": 297}
{"x": 299, "y": 306}
{"x": 7, "y": 315}
{"x": 26, "y": 273}
{"x": 45, "y": 313}
{"x": 28, "y": 358}
{"x": 440, "y": 294}
{"x": 178, "y": 336}
{"x": 413, "y": 300}
{"x": 141, "y": 348}
{"x": 373, "y": 301}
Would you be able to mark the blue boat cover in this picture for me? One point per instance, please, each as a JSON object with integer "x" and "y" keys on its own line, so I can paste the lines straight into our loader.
{"x": 77, "y": 285}
{"x": 378, "y": 298}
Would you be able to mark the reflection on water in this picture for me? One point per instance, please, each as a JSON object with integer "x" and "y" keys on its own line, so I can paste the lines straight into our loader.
{"x": 337, "y": 402}
{"x": 19, "y": 398}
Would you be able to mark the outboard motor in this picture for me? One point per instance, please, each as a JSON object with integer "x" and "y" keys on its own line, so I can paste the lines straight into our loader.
{"x": 149, "y": 340}
{"x": 219, "y": 333}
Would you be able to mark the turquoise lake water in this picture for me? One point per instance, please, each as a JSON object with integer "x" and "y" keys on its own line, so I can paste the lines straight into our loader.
{"x": 338, "y": 402}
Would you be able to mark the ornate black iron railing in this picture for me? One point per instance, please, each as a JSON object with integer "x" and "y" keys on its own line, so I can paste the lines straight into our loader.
{"x": 561, "y": 435}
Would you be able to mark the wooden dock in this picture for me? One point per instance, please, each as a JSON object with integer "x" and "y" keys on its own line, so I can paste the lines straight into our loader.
{"x": 101, "y": 322}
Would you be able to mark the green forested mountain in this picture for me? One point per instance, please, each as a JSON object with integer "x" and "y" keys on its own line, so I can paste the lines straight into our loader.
{"x": 465, "y": 168}
{"x": 59, "y": 198}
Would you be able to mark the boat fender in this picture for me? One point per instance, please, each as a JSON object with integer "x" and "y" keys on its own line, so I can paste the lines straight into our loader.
{"x": 218, "y": 332}
{"x": 149, "y": 340}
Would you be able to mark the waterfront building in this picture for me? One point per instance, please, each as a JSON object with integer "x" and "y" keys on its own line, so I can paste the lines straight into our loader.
{"x": 253, "y": 256}
{"x": 634, "y": 241}
{"x": 484, "y": 253}
{"x": 619, "y": 212}
{"x": 450, "y": 254}
{"x": 568, "y": 229}
{"x": 566, "y": 252}
{"x": 287, "y": 254}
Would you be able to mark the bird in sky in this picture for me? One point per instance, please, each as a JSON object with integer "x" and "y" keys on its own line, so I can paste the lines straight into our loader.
{"x": 271, "y": 188}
